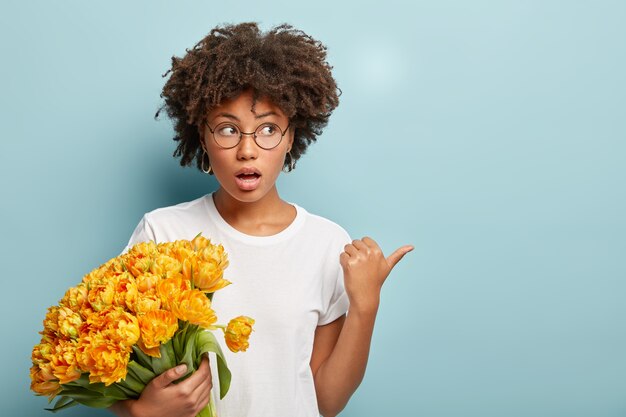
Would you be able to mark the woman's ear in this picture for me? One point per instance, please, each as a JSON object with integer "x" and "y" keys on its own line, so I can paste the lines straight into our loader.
{"x": 291, "y": 135}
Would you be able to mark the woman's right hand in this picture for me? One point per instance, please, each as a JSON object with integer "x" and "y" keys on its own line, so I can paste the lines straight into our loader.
{"x": 162, "y": 398}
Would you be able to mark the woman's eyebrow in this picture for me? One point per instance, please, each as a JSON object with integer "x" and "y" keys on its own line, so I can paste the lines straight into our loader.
{"x": 232, "y": 116}
{"x": 269, "y": 113}
{"x": 227, "y": 115}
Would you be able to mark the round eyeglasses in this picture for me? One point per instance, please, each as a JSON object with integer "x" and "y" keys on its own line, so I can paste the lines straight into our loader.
{"x": 228, "y": 135}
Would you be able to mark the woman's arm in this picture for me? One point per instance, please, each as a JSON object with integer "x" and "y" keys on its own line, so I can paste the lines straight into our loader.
{"x": 341, "y": 348}
{"x": 163, "y": 398}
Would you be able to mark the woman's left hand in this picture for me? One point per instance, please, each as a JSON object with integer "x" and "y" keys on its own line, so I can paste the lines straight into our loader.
{"x": 365, "y": 269}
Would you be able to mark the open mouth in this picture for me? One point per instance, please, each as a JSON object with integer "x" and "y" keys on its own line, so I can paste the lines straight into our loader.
{"x": 248, "y": 177}
{"x": 248, "y": 180}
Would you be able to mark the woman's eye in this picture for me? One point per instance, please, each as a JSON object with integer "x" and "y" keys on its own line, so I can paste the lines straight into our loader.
{"x": 267, "y": 130}
{"x": 228, "y": 131}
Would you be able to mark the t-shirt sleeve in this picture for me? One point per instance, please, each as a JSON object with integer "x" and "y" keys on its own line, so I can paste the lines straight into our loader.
{"x": 338, "y": 302}
{"x": 337, "y": 296}
{"x": 143, "y": 233}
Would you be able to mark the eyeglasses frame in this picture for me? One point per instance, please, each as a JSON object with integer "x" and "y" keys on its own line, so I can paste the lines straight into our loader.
{"x": 241, "y": 133}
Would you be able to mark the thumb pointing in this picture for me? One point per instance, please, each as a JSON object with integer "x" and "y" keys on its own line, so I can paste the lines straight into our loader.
{"x": 399, "y": 253}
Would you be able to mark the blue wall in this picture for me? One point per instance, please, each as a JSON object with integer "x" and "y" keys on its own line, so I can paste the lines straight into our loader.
{"x": 491, "y": 135}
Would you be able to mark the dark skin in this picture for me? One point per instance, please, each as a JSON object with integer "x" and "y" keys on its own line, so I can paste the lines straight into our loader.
{"x": 341, "y": 348}
{"x": 162, "y": 397}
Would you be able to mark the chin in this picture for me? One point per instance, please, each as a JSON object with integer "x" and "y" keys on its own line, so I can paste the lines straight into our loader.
{"x": 247, "y": 196}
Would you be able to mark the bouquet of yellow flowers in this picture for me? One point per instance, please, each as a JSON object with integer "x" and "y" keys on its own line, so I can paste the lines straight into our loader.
{"x": 131, "y": 319}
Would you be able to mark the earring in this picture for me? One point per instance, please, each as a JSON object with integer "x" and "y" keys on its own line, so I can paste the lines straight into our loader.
{"x": 292, "y": 163}
{"x": 206, "y": 171}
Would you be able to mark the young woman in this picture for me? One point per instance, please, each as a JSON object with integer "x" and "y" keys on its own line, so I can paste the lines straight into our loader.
{"x": 246, "y": 105}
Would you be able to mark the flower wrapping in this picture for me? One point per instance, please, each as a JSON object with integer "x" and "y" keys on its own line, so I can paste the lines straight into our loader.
{"x": 131, "y": 319}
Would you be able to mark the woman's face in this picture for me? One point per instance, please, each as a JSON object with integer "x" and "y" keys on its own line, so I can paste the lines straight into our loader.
{"x": 247, "y": 172}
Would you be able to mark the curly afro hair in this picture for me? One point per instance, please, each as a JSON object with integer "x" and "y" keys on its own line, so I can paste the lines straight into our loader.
{"x": 285, "y": 65}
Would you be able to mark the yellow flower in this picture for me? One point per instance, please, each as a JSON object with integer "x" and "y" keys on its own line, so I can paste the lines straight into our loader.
{"x": 75, "y": 297}
{"x": 144, "y": 249}
{"x": 167, "y": 265}
{"x": 43, "y": 383}
{"x": 208, "y": 277}
{"x": 101, "y": 295}
{"x": 105, "y": 361}
{"x": 51, "y": 321}
{"x": 69, "y": 323}
{"x": 207, "y": 270}
{"x": 193, "y": 306}
{"x": 172, "y": 248}
{"x": 237, "y": 333}
{"x": 157, "y": 327}
{"x": 200, "y": 242}
{"x": 147, "y": 301}
{"x": 115, "y": 326}
{"x": 41, "y": 352}
{"x": 170, "y": 290}
{"x": 147, "y": 282}
{"x": 125, "y": 290}
{"x": 138, "y": 265}
{"x": 63, "y": 362}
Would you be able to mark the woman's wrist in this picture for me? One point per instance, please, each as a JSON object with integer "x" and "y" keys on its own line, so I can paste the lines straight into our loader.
{"x": 364, "y": 308}
{"x": 124, "y": 408}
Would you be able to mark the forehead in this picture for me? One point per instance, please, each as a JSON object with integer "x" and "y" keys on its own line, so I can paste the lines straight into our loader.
{"x": 244, "y": 106}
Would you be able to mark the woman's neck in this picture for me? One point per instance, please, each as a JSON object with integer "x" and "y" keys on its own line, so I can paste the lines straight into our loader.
{"x": 264, "y": 217}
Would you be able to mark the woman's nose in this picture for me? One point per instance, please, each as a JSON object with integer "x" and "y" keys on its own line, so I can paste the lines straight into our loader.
{"x": 247, "y": 148}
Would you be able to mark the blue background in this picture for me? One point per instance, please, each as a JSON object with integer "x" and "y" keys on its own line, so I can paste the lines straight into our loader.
{"x": 490, "y": 135}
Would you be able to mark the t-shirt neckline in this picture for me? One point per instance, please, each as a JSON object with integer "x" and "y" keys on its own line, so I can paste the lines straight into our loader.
{"x": 223, "y": 225}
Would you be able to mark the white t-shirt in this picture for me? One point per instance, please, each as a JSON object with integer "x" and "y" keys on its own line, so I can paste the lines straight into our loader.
{"x": 289, "y": 283}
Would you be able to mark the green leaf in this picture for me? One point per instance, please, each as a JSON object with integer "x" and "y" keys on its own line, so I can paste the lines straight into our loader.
{"x": 129, "y": 388}
{"x": 83, "y": 383}
{"x": 141, "y": 358}
{"x": 81, "y": 393}
{"x": 102, "y": 402}
{"x": 208, "y": 343}
{"x": 62, "y": 403}
{"x": 188, "y": 342}
{"x": 167, "y": 359}
{"x": 140, "y": 373}
{"x": 179, "y": 340}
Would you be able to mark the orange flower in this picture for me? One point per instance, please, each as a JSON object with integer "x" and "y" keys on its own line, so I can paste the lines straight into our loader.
{"x": 200, "y": 242}
{"x": 144, "y": 249}
{"x": 147, "y": 282}
{"x": 238, "y": 332}
{"x": 157, "y": 327}
{"x": 43, "y": 383}
{"x": 101, "y": 295}
{"x": 208, "y": 277}
{"x": 208, "y": 272}
{"x": 180, "y": 253}
{"x": 193, "y": 306}
{"x": 75, "y": 297}
{"x": 190, "y": 267}
{"x": 63, "y": 362}
{"x": 41, "y": 352}
{"x": 147, "y": 301}
{"x": 138, "y": 265}
{"x": 68, "y": 323}
{"x": 51, "y": 321}
{"x": 170, "y": 248}
{"x": 170, "y": 290}
{"x": 105, "y": 361}
{"x": 115, "y": 326}
{"x": 125, "y": 290}
{"x": 167, "y": 265}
